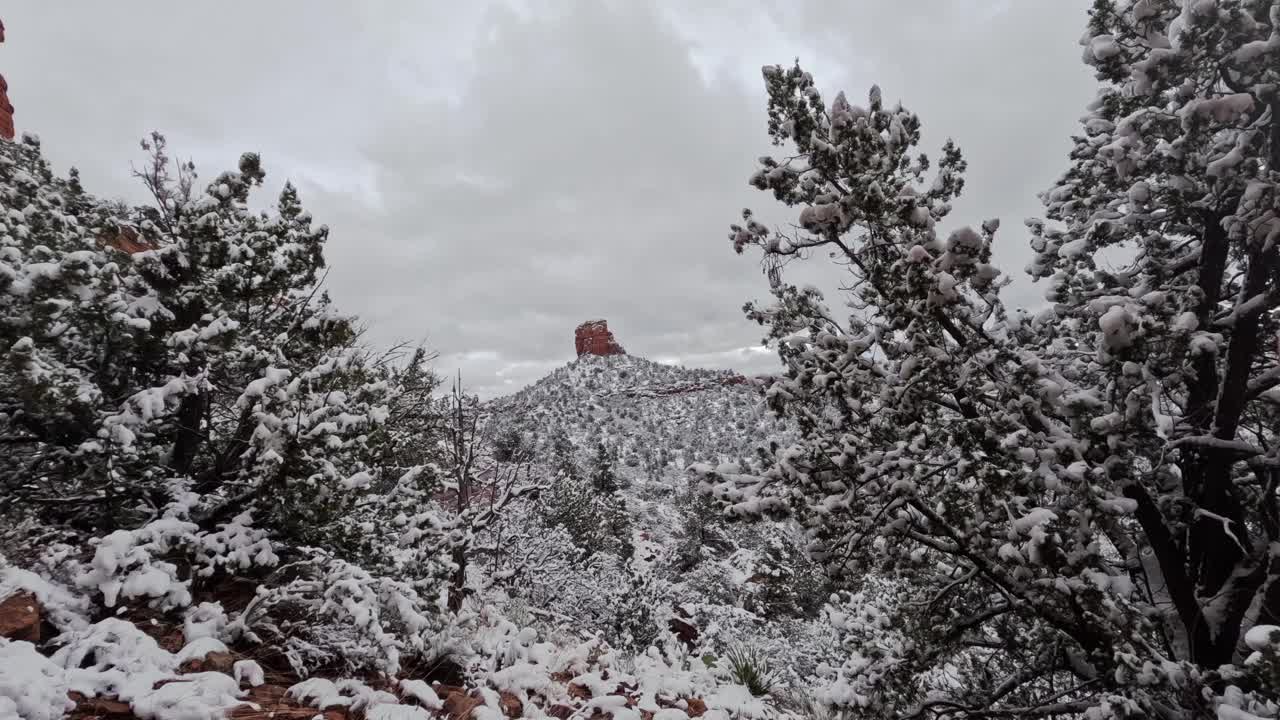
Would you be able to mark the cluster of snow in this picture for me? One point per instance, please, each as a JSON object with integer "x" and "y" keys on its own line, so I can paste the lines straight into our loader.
{"x": 111, "y": 658}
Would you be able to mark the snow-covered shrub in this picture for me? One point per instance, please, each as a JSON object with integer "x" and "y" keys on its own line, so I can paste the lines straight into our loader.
{"x": 639, "y": 610}
{"x": 711, "y": 583}
{"x": 128, "y": 564}
{"x": 113, "y": 644}
{"x": 541, "y": 567}
{"x": 326, "y": 613}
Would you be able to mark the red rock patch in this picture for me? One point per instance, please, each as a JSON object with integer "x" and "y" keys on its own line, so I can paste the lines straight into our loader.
{"x": 20, "y": 617}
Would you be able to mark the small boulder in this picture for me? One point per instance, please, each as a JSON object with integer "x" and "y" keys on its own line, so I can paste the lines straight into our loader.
{"x": 684, "y": 631}
{"x": 20, "y": 617}
{"x": 511, "y": 705}
{"x": 103, "y": 708}
{"x": 457, "y": 702}
{"x": 223, "y": 662}
{"x": 560, "y": 712}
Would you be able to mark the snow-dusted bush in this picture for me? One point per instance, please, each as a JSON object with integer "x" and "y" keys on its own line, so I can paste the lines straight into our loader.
{"x": 334, "y": 615}
{"x": 639, "y": 610}
{"x": 183, "y": 403}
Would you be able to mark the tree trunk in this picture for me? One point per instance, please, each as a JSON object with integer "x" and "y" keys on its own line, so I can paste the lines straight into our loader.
{"x": 457, "y": 583}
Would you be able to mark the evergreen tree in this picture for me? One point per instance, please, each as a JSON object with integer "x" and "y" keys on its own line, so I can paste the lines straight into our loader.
{"x": 1072, "y": 511}
{"x": 786, "y": 583}
{"x": 603, "y": 477}
{"x": 1178, "y": 167}
{"x": 210, "y": 360}
{"x": 700, "y": 532}
{"x": 596, "y": 519}
{"x": 179, "y": 386}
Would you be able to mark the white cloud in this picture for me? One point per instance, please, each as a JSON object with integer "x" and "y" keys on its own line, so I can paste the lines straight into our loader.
{"x": 494, "y": 174}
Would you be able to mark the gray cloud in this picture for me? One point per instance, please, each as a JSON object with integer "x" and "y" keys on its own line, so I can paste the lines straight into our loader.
{"x": 494, "y": 175}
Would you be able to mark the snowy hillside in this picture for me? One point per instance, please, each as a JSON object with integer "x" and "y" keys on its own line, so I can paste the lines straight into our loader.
{"x": 646, "y": 423}
{"x": 655, "y": 417}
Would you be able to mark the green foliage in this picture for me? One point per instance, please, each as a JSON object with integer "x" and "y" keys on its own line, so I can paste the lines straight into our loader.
{"x": 596, "y": 520}
{"x": 751, "y": 668}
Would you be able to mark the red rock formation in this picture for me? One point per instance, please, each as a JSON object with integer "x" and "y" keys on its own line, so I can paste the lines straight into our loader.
{"x": 6, "y": 108}
{"x": 593, "y": 338}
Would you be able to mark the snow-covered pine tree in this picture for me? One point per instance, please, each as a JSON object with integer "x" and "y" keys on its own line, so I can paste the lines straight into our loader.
{"x": 603, "y": 476}
{"x": 1165, "y": 275}
{"x": 206, "y": 361}
{"x": 892, "y": 403}
{"x": 65, "y": 320}
{"x": 700, "y": 532}
{"x": 785, "y": 582}
{"x": 568, "y": 501}
{"x": 1001, "y": 472}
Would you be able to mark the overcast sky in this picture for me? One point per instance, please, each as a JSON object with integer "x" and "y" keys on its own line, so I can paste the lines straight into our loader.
{"x": 495, "y": 174}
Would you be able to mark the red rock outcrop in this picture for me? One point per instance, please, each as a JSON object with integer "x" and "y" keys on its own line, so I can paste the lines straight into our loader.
{"x": 593, "y": 338}
{"x": 6, "y": 108}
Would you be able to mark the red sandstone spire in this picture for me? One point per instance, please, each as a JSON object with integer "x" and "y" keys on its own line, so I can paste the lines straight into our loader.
{"x": 6, "y": 108}
{"x": 593, "y": 338}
